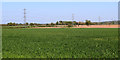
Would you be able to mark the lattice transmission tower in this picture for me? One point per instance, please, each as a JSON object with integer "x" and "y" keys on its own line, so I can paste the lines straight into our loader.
{"x": 73, "y": 17}
{"x": 24, "y": 16}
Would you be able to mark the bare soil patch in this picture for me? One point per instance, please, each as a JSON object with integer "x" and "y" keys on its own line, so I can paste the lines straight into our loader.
{"x": 85, "y": 26}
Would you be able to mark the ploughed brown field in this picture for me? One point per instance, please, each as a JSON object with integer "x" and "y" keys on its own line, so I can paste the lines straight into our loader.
{"x": 85, "y": 26}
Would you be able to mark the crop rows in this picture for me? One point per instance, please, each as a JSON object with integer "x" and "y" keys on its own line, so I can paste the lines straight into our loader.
{"x": 60, "y": 43}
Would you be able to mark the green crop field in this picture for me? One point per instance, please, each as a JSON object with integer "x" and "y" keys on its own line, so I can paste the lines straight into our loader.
{"x": 60, "y": 43}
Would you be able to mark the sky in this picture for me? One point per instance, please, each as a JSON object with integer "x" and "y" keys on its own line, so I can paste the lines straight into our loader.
{"x": 60, "y": 0}
{"x": 47, "y": 12}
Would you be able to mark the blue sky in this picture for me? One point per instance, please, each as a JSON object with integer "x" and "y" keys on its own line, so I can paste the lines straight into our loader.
{"x": 60, "y": 0}
{"x": 47, "y": 12}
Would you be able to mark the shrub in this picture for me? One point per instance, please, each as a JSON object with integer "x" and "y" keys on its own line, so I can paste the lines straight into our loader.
{"x": 69, "y": 25}
{"x": 31, "y": 24}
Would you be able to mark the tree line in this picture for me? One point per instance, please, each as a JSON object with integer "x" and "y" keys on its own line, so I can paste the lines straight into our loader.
{"x": 69, "y": 23}
{"x": 88, "y": 22}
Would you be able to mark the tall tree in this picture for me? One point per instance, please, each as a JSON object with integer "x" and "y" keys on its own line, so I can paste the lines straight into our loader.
{"x": 74, "y": 22}
{"x": 61, "y": 22}
{"x": 31, "y": 24}
{"x": 88, "y": 22}
{"x": 57, "y": 23}
{"x": 10, "y": 24}
{"x": 13, "y": 24}
{"x": 26, "y": 23}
